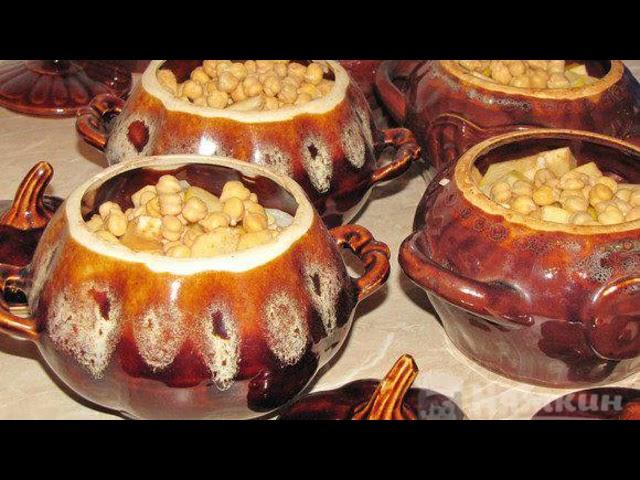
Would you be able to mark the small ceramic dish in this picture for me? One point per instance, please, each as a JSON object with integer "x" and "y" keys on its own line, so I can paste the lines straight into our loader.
{"x": 540, "y": 302}
{"x": 391, "y": 398}
{"x": 233, "y": 336}
{"x": 329, "y": 145}
{"x": 449, "y": 109}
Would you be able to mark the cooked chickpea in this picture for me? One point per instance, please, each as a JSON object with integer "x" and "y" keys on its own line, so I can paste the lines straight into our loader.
{"x": 517, "y": 68}
{"x": 215, "y": 220}
{"x": 252, "y": 86}
{"x": 239, "y": 70}
{"x": 610, "y": 216}
{"x": 521, "y": 81}
{"x": 227, "y": 82}
{"x": 170, "y": 203}
{"x": 599, "y": 193}
{"x": 192, "y": 90}
{"x": 296, "y": 70}
{"x": 575, "y": 203}
{"x": 272, "y": 85}
{"x": 171, "y": 228}
{"x": 200, "y": 76}
{"x": 544, "y": 195}
{"x": 624, "y": 194}
{"x": 235, "y": 189}
{"x": 314, "y": 74}
{"x": 557, "y": 80}
{"x": 116, "y": 223}
{"x": 543, "y": 177}
{"x": 234, "y": 208}
{"x": 254, "y": 222}
{"x": 501, "y": 192}
{"x": 522, "y": 188}
{"x": 632, "y": 215}
{"x": 581, "y": 218}
{"x": 95, "y": 223}
{"x": 634, "y": 198}
{"x": 194, "y": 210}
{"x": 168, "y": 80}
{"x": 218, "y": 99}
{"x": 523, "y": 204}
{"x": 107, "y": 207}
{"x": 288, "y": 94}
{"x": 168, "y": 184}
{"x": 108, "y": 236}
{"x": 209, "y": 67}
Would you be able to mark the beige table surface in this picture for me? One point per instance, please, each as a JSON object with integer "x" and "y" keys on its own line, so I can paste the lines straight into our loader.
{"x": 392, "y": 322}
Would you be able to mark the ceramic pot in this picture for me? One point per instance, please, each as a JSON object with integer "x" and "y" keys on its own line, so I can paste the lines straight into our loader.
{"x": 449, "y": 110}
{"x": 233, "y": 336}
{"x": 329, "y": 146}
{"x": 540, "y": 302}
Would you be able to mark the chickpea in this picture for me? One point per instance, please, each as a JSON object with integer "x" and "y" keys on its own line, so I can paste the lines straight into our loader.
{"x": 148, "y": 227}
{"x": 288, "y": 94}
{"x": 215, "y": 220}
{"x": 634, "y": 198}
{"x": 271, "y": 103}
{"x": 254, "y": 222}
{"x": 314, "y": 74}
{"x": 538, "y": 79}
{"x": 171, "y": 228}
{"x": 542, "y": 177}
{"x": 253, "y": 103}
{"x": 200, "y": 76}
{"x": 168, "y": 80}
{"x": 168, "y": 184}
{"x": 252, "y": 86}
{"x": 170, "y": 203}
{"x": 581, "y": 218}
{"x": 218, "y": 99}
{"x": 194, "y": 210}
{"x": 272, "y": 85}
{"x": 280, "y": 70}
{"x": 538, "y": 64}
{"x": 238, "y": 94}
{"x": 632, "y": 215}
{"x": 500, "y": 72}
{"x": 234, "y": 208}
{"x": 227, "y": 82}
{"x": 95, "y": 223}
{"x": 610, "y": 216}
{"x": 609, "y": 182}
{"x": 263, "y": 66}
{"x": 599, "y": 193}
{"x": 557, "y": 80}
{"x": 239, "y": 70}
{"x": 544, "y": 195}
{"x": 191, "y": 233}
{"x": 296, "y": 70}
{"x": 624, "y": 194}
{"x": 235, "y": 189}
{"x": 501, "y": 192}
{"x": 147, "y": 192}
{"x": 325, "y": 86}
{"x": 311, "y": 90}
{"x": 522, "y": 188}
{"x": 209, "y": 67}
{"x": 523, "y": 204}
{"x": 222, "y": 66}
{"x": 116, "y": 223}
{"x": 250, "y": 65}
{"x": 517, "y": 68}
{"x": 302, "y": 99}
{"x": 152, "y": 207}
{"x": 192, "y": 90}
{"x": 575, "y": 204}
{"x": 106, "y": 208}
{"x": 570, "y": 182}
{"x": 556, "y": 66}
{"x": 179, "y": 251}
{"x": 200, "y": 101}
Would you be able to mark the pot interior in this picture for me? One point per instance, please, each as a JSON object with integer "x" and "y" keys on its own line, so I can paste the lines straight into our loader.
{"x": 119, "y": 188}
{"x": 623, "y": 164}
{"x": 182, "y": 68}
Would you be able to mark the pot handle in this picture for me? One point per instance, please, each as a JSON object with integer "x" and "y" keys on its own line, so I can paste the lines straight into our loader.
{"x": 407, "y": 151}
{"x": 28, "y": 209}
{"x": 90, "y": 122}
{"x": 614, "y": 316}
{"x": 390, "y": 94}
{"x": 22, "y": 328}
{"x": 479, "y": 298}
{"x": 375, "y": 256}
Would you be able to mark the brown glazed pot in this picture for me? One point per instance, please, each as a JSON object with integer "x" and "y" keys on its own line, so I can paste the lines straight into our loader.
{"x": 540, "y": 302}
{"x": 450, "y": 110}
{"x": 364, "y": 73}
{"x": 329, "y": 146}
{"x": 234, "y": 336}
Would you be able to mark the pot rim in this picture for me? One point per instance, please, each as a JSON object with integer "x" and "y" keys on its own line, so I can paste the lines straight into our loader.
{"x": 602, "y": 84}
{"x": 234, "y": 262}
{"x": 150, "y": 83}
{"x": 471, "y": 191}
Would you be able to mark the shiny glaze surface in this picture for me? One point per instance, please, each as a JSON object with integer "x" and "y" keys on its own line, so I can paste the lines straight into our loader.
{"x": 557, "y": 308}
{"x": 331, "y": 151}
{"x": 449, "y": 111}
{"x": 191, "y": 341}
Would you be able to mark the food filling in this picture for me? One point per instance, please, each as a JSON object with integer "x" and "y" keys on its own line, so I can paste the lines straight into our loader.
{"x": 251, "y": 85}
{"x": 550, "y": 186}
{"x": 530, "y": 73}
{"x": 175, "y": 219}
